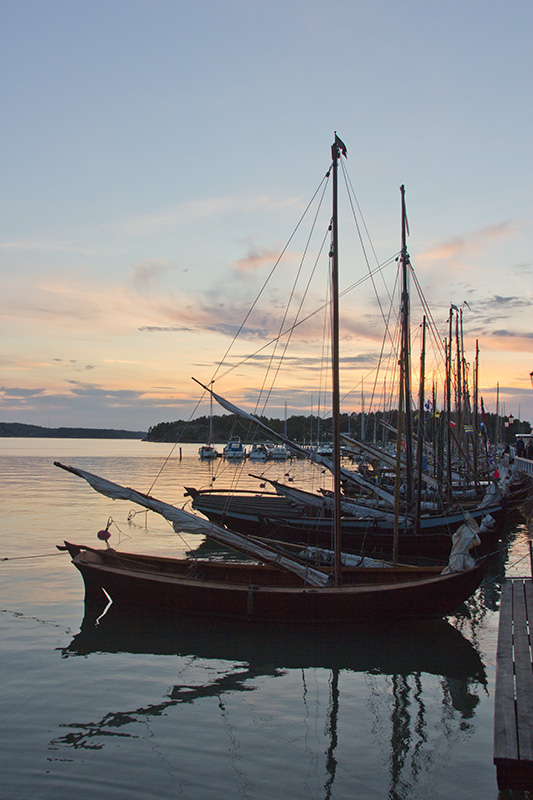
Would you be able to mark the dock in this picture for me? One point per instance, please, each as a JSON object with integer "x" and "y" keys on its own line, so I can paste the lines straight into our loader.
{"x": 513, "y": 708}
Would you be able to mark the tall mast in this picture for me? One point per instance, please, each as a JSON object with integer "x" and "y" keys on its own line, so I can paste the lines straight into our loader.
{"x": 449, "y": 408}
{"x": 476, "y": 415}
{"x": 362, "y": 413}
{"x": 210, "y": 438}
{"x": 405, "y": 357}
{"x": 336, "y": 150}
{"x": 497, "y": 437}
{"x": 421, "y": 428}
{"x": 459, "y": 391}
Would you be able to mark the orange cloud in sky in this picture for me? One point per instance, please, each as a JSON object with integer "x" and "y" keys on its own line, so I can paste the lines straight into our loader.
{"x": 185, "y": 213}
{"x": 256, "y": 259}
{"x": 456, "y": 249}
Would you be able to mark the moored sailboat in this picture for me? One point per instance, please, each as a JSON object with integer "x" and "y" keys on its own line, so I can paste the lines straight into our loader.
{"x": 283, "y": 587}
{"x": 410, "y": 513}
{"x": 208, "y": 451}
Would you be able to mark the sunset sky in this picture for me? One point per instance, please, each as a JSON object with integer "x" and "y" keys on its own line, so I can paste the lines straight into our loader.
{"x": 157, "y": 155}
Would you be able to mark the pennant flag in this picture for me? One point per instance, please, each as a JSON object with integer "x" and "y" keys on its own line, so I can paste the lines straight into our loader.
{"x": 340, "y": 144}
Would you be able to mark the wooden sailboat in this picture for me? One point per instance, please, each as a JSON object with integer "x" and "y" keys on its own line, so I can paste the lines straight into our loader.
{"x": 282, "y": 587}
{"x": 396, "y": 522}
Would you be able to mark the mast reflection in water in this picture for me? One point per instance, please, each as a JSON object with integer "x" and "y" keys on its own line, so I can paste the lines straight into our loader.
{"x": 422, "y": 681}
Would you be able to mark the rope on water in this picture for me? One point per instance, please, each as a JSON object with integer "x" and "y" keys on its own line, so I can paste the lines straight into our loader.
{"x": 19, "y": 558}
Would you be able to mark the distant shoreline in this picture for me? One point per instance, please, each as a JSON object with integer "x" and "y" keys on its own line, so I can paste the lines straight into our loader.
{"x": 19, "y": 430}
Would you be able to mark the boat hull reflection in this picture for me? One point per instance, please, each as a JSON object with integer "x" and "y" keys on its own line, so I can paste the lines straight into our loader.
{"x": 431, "y": 646}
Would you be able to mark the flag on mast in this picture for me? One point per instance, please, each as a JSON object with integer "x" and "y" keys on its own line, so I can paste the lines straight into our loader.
{"x": 340, "y": 144}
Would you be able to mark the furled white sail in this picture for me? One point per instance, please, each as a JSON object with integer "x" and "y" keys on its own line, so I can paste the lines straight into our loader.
{"x": 464, "y": 538}
{"x": 348, "y": 506}
{"x": 190, "y": 523}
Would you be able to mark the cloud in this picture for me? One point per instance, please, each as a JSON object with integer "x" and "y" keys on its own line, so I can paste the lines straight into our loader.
{"x": 73, "y": 363}
{"x": 143, "y": 275}
{"x": 164, "y": 329}
{"x": 255, "y": 259}
{"x": 45, "y": 247}
{"x": 510, "y": 302}
{"x": 508, "y": 341}
{"x": 15, "y": 393}
{"x": 512, "y": 334}
{"x": 183, "y": 214}
{"x": 481, "y": 314}
{"x": 179, "y": 215}
{"x": 82, "y": 389}
{"x": 472, "y": 242}
{"x": 308, "y": 362}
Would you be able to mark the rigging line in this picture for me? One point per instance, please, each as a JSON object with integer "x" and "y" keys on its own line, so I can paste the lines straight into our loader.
{"x": 169, "y": 455}
{"x": 291, "y": 330}
{"x": 375, "y": 370}
{"x": 387, "y": 332}
{"x": 284, "y": 250}
{"x": 394, "y": 346}
{"x": 433, "y": 327}
{"x": 300, "y": 322}
{"x": 323, "y": 378}
{"x": 289, "y": 303}
{"x": 351, "y": 192}
{"x": 357, "y": 386}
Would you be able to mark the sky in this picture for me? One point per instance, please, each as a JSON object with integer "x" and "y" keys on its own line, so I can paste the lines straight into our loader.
{"x": 156, "y": 156}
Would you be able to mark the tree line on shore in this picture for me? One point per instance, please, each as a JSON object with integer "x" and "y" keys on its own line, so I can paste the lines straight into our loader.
{"x": 300, "y": 428}
{"x": 20, "y": 429}
{"x": 311, "y": 429}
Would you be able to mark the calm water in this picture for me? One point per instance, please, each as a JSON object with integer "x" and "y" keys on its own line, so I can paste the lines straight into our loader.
{"x": 154, "y": 708}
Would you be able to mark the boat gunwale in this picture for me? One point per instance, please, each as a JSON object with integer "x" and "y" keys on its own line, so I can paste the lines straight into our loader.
{"x": 351, "y": 588}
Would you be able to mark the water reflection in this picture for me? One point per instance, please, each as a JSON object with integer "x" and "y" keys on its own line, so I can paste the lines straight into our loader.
{"x": 432, "y": 646}
{"x": 407, "y": 671}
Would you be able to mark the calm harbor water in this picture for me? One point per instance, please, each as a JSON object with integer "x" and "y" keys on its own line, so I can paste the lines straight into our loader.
{"x": 144, "y": 707}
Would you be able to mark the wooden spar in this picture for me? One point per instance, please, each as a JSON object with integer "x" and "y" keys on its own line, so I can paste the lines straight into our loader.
{"x": 210, "y": 439}
{"x": 363, "y": 413}
{"x": 476, "y": 417}
{"x": 458, "y": 383}
{"x": 449, "y": 411}
{"x": 420, "y": 442}
{"x": 405, "y": 357}
{"x": 497, "y": 437}
{"x": 405, "y": 390}
{"x": 397, "y": 482}
{"x": 335, "y": 399}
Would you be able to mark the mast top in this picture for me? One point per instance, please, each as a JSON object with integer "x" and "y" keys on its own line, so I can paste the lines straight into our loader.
{"x": 338, "y": 147}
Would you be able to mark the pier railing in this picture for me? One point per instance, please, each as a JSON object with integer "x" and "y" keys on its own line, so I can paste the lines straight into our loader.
{"x": 524, "y": 465}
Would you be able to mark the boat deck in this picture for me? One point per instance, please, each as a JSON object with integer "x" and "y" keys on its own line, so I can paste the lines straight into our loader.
{"x": 513, "y": 712}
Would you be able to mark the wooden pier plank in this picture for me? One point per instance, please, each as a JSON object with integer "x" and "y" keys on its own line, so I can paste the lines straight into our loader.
{"x": 513, "y": 713}
{"x": 523, "y": 673}
{"x": 505, "y": 734}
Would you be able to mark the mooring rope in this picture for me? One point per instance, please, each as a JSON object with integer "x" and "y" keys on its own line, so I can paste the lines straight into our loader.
{"x": 41, "y": 555}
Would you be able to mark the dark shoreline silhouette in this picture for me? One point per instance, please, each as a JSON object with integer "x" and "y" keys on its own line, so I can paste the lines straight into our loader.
{"x": 20, "y": 430}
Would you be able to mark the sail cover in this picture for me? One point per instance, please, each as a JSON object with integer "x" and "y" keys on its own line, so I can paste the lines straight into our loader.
{"x": 190, "y": 523}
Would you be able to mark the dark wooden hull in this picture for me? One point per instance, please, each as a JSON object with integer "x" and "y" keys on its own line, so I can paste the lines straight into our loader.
{"x": 262, "y": 593}
{"x": 272, "y": 517}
